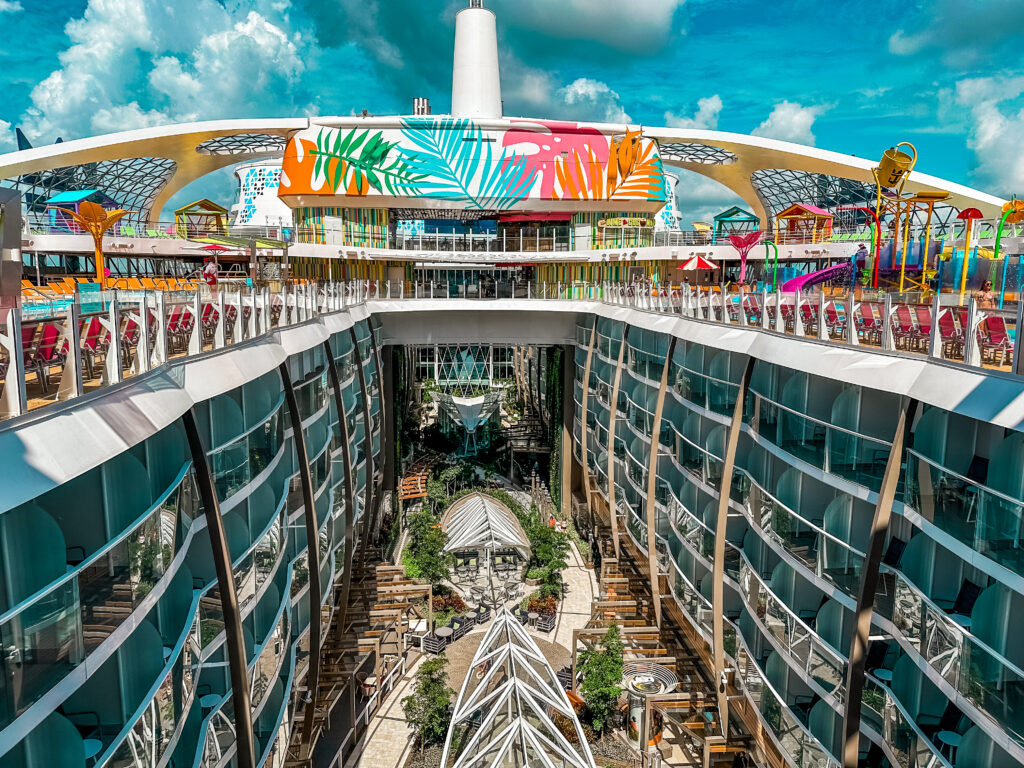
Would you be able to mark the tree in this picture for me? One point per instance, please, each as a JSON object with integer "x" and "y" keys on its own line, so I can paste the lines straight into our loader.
{"x": 426, "y": 548}
{"x": 426, "y": 710}
{"x": 602, "y": 673}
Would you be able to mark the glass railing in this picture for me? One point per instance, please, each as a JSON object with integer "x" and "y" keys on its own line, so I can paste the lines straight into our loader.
{"x": 820, "y": 552}
{"x": 801, "y": 748}
{"x": 883, "y": 713}
{"x": 832, "y": 449}
{"x": 799, "y": 642}
{"x": 987, "y": 521}
{"x": 235, "y": 465}
{"x": 219, "y": 743}
{"x": 268, "y": 663}
{"x": 645, "y": 363}
{"x": 145, "y": 744}
{"x": 258, "y": 565}
{"x": 50, "y": 634}
{"x": 705, "y": 391}
{"x": 980, "y": 674}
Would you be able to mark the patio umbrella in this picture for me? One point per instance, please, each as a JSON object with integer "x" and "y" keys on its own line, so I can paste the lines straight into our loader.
{"x": 697, "y": 262}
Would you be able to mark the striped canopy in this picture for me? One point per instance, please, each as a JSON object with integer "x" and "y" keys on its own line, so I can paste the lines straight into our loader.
{"x": 478, "y": 521}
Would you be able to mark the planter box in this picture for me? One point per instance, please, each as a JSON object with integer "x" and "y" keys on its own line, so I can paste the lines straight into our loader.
{"x": 532, "y": 582}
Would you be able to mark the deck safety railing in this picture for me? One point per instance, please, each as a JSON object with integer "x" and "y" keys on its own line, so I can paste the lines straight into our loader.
{"x": 59, "y": 348}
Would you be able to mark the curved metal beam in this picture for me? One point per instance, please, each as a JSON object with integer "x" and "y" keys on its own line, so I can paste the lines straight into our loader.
{"x": 652, "y": 483}
{"x": 234, "y": 638}
{"x": 312, "y": 555}
{"x": 869, "y": 571}
{"x": 584, "y": 442}
{"x": 721, "y": 523}
{"x": 613, "y": 412}
{"x": 347, "y": 486}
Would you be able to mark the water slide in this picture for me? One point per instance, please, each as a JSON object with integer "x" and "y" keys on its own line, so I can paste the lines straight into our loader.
{"x": 835, "y": 272}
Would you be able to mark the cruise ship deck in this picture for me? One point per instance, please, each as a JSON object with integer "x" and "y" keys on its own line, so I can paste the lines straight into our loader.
{"x": 769, "y": 471}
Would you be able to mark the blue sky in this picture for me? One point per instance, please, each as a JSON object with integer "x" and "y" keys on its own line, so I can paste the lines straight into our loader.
{"x": 946, "y": 75}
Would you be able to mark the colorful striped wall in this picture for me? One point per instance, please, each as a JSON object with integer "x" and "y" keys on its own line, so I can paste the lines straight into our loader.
{"x": 360, "y": 227}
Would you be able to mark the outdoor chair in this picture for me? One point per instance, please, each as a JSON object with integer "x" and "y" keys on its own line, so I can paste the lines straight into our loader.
{"x": 903, "y": 330}
{"x": 50, "y": 352}
{"x": 752, "y": 308}
{"x": 922, "y": 326}
{"x": 95, "y": 344}
{"x": 994, "y": 340}
{"x": 809, "y": 316}
{"x": 433, "y": 644}
{"x": 951, "y": 336}
{"x": 836, "y": 323}
{"x": 868, "y": 329}
{"x": 546, "y": 623}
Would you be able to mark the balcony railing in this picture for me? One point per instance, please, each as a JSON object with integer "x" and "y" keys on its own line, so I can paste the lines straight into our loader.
{"x": 58, "y": 348}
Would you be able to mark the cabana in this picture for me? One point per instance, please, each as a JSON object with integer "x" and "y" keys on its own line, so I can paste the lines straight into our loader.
{"x": 734, "y": 221}
{"x": 72, "y": 200}
{"x": 506, "y": 710}
{"x": 201, "y": 218}
{"x": 803, "y": 223}
{"x": 483, "y": 532}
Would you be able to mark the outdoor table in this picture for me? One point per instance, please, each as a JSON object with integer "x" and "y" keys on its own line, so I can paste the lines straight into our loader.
{"x": 950, "y": 739}
{"x": 471, "y": 615}
{"x": 533, "y": 616}
{"x": 209, "y": 701}
{"x": 885, "y": 675}
{"x": 443, "y": 632}
{"x": 92, "y": 747}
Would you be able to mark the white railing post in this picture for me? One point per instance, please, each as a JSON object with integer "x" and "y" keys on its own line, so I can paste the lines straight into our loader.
{"x": 15, "y": 399}
{"x": 159, "y": 351}
{"x": 528, "y": 290}
{"x": 780, "y": 321}
{"x": 112, "y": 363}
{"x": 972, "y": 350}
{"x": 888, "y": 342}
{"x": 764, "y": 308}
{"x": 71, "y": 384}
{"x": 935, "y": 335}
{"x": 238, "y": 327}
{"x": 195, "y": 340}
{"x": 851, "y": 321}
{"x": 220, "y": 329}
{"x": 142, "y": 351}
{"x": 823, "y": 333}
{"x": 249, "y": 302}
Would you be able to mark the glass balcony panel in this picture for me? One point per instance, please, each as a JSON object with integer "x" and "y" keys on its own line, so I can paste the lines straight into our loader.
{"x": 985, "y": 520}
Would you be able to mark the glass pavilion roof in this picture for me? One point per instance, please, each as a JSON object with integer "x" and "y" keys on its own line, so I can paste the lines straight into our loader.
{"x": 504, "y": 716}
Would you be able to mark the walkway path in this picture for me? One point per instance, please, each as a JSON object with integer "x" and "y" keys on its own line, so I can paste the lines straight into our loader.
{"x": 577, "y": 604}
{"x": 389, "y": 740}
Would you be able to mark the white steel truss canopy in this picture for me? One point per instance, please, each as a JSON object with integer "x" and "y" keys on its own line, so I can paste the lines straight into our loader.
{"x": 479, "y": 522}
{"x": 505, "y": 710}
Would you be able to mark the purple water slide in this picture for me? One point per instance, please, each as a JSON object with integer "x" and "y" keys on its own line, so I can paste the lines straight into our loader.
{"x": 834, "y": 272}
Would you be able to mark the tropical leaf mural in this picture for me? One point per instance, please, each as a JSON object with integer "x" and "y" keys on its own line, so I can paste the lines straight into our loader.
{"x": 633, "y": 172}
{"x": 452, "y": 160}
{"x": 356, "y": 162}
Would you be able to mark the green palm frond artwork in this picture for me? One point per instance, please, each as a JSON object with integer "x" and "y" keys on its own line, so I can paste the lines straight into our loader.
{"x": 355, "y": 162}
{"x": 453, "y": 161}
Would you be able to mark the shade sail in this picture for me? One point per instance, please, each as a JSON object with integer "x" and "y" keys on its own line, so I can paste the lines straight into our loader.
{"x": 503, "y": 717}
{"x": 479, "y": 521}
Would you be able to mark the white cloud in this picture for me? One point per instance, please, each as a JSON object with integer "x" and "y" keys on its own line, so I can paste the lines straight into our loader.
{"x": 790, "y": 121}
{"x": 706, "y": 118}
{"x": 962, "y": 34}
{"x": 10, "y": 6}
{"x": 593, "y": 100}
{"x": 995, "y": 127}
{"x": 136, "y": 63}
{"x": 8, "y": 143}
{"x": 646, "y": 25}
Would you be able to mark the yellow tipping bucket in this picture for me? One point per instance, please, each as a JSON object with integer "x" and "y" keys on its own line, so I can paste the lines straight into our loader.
{"x": 894, "y": 167}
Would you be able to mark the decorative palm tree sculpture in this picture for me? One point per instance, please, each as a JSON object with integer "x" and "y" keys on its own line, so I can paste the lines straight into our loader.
{"x": 744, "y": 244}
{"x": 96, "y": 220}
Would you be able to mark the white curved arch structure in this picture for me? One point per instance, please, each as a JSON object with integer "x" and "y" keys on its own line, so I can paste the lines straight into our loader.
{"x": 738, "y": 156}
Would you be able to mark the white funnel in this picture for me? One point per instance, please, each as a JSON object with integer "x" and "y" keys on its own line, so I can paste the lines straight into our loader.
{"x": 476, "y": 83}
